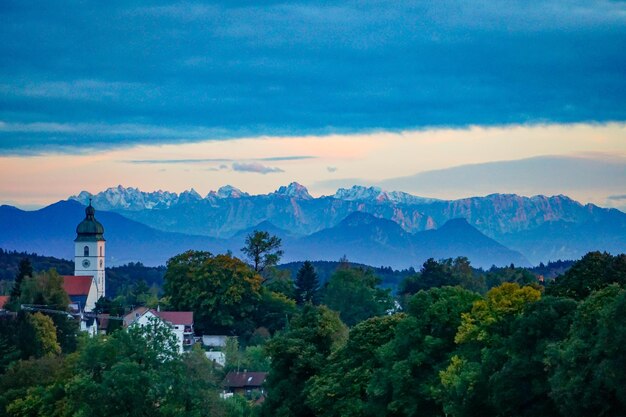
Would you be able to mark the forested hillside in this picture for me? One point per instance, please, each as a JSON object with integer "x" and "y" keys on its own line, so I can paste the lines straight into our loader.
{"x": 454, "y": 341}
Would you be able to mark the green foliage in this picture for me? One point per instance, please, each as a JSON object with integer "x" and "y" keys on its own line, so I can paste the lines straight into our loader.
{"x": 130, "y": 373}
{"x": 407, "y": 384}
{"x": 594, "y": 271}
{"x": 589, "y": 377}
{"x": 324, "y": 269}
{"x": 122, "y": 279}
{"x": 340, "y": 388}
{"x": 262, "y": 250}
{"x": 222, "y": 291}
{"x": 45, "y": 289}
{"x": 296, "y": 356}
{"x": 44, "y": 335}
{"x": 482, "y": 331}
{"x": 497, "y": 276}
{"x": 446, "y": 272}
{"x": 518, "y": 382}
{"x": 307, "y": 284}
{"x": 32, "y": 375}
{"x": 238, "y": 406}
{"x": 25, "y": 269}
{"x": 252, "y": 358}
{"x": 273, "y": 310}
{"x": 10, "y": 264}
{"x": 279, "y": 280}
{"x": 354, "y": 293}
{"x": 9, "y": 352}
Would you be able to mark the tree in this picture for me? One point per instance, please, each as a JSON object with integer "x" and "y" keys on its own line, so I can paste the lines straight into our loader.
{"x": 445, "y": 272}
{"x": 44, "y": 335}
{"x": 25, "y": 269}
{"x": 222, "y": 291}
{"x": 46, "y": 289}
{"x": 273, "y": 310}
{"x": 296, "y": 356}
{"x": 137, "y": 372}
{"x": 262, "y": 250}
{"x": 518, "y": 381}
{"x": 465, "y": 382}
{"x": 307, "y": 284}
{"x": 407, "y": 383}
{"x": 340, "y": 389}
{"x": 592, "y": 272}
{"x": 588, "y": 365}
{"x": 354, "y": 293}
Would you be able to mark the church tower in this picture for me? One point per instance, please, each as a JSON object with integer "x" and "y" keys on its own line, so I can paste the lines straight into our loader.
{"x": 89, "y": 250}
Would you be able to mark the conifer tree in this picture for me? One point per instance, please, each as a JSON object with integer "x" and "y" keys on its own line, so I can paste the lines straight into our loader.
{"x": 25, "y": 270}
{"x": 307, "y": 284}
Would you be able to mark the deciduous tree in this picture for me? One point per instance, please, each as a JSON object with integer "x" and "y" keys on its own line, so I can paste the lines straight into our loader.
{"x": 355, "y": 294}
{"x": 262, "y": 250}
{"x": 222, "y": 291}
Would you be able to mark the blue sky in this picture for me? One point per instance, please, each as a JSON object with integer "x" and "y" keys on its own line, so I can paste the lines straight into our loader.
{"x": 86, "y": 78}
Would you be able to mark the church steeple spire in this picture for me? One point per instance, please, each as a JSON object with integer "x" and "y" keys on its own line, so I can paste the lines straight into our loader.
{"x": 89, "y": 251}
{"x": 89, "y": 229}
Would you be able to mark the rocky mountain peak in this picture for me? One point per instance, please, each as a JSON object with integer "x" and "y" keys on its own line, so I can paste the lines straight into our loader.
{"x": 228, "y": 191}
{"x": 294, "y": 190}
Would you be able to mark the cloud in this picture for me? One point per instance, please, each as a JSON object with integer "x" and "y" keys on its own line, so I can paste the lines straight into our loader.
{"x": 580, "y": 177}
{"x": 617, "y": 197}
{"x": 222, "y": 167}
{"x": 287, "y": 158}
{"x": 311, "y": 68}
{"x": 254, "y": 167}
{"x": 177, "y": 161}
{"x": 205, "y": 160}
{"x": 331, "y": 169}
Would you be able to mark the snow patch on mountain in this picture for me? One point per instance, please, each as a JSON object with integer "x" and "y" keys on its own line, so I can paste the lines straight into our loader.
{"x": 228, "y": 191}
{"x": 361, "y": 193}
{"x": 129, "y": 198}
{"x": 293, "y": 190}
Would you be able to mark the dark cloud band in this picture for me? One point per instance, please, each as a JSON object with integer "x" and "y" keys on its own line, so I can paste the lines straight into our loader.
{"x": 192, "y": 71}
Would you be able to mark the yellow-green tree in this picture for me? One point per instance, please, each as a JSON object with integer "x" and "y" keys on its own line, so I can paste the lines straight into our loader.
{"x": 465, "y": 381}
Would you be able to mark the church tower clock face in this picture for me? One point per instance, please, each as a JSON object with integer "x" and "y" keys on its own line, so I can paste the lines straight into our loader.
{"x": 86, "y": 263}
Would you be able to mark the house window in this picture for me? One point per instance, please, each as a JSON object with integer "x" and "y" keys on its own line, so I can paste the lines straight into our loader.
{"x": 100, "y": 250}
{"x": 86, "y": 251}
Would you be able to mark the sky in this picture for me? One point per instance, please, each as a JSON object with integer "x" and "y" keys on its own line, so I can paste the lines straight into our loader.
{"x": 444, "y": 99}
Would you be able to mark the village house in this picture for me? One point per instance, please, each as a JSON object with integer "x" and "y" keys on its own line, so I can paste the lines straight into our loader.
{"x": 88, "y": 285}
{"x": 180, "y": 322}
{"x": 248, "y": 384}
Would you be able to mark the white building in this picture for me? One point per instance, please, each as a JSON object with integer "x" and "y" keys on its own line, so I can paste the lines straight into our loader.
{"x": 89, "y": 251}
{"x": 87, "y": 284}
{"x": 180, "y": 322}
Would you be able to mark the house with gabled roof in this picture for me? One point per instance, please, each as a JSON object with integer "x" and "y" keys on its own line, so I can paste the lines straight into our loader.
{"x": 82, "y": 292}
{"x": 245, "y": 383}
{"x": 180, "y": 322}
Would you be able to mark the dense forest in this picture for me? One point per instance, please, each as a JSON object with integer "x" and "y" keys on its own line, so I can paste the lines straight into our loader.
{"x": 450, "y": 341}
{"x": 122, "y": 279}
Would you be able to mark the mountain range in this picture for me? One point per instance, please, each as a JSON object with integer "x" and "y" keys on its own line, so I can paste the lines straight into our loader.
{"x": 541, "y": 228}
{"x": 361, "y": 237}
{"x": 368, "y": 225}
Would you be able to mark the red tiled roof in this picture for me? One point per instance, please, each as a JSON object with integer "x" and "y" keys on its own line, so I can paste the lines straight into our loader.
{"x": 3, "y": 300}
{"x": 176, "y": 317}
{"x": 77, "y": 285}
{"x": 244, "y": 379}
